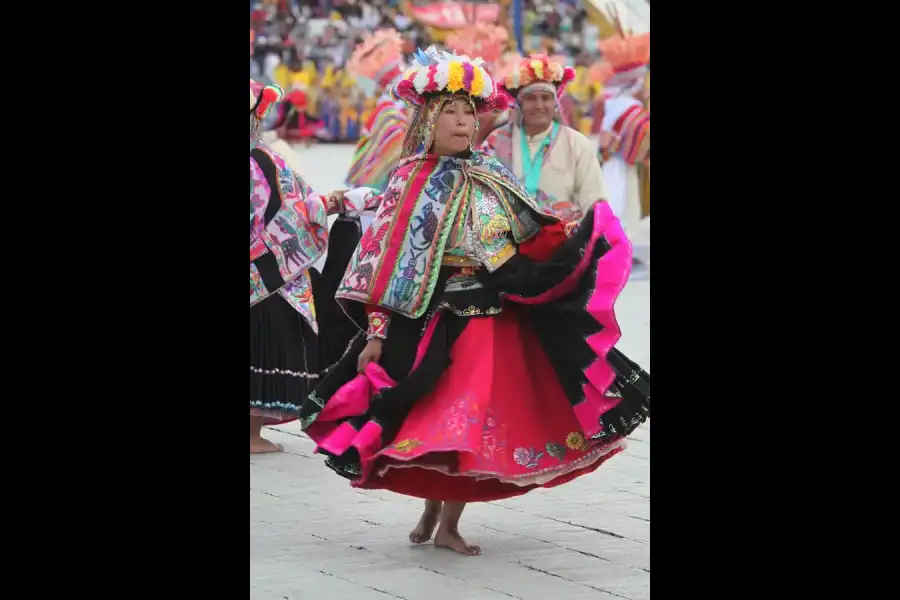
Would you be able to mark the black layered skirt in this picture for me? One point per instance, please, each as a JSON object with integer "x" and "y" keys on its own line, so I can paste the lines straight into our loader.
{"x": 288, "y": 359}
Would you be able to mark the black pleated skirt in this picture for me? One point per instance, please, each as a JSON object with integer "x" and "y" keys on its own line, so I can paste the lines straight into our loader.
{"x": 287, "y": 357}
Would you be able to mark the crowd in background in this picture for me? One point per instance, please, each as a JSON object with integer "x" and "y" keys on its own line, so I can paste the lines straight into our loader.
{"x": 305, "y": 45}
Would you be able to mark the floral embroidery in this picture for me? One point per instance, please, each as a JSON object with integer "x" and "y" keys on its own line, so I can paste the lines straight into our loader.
{"x": 496, "y": 227}
{"x": 530, "y": 458}
{"x": 576, "y": 441}
{"x": 458, "y": 421}
{"x": 257, "y": 289}
{"x": 527, "y": 457}
{"x": 472, "y": 311}
{"x": 557, "y": 451}
{"x": 299, "y": 295}
{"x": 406, "y": 446}
{"x": 455, "y": 426}
{"x": 259, "y": 195}
{"x": 493, "y": 440}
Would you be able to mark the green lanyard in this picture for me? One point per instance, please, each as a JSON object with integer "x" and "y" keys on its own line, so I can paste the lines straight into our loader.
{"x": 534, "y": 164}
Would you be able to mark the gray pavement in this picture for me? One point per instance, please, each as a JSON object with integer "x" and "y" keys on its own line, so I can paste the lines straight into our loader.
{"x": 313, "y": 536}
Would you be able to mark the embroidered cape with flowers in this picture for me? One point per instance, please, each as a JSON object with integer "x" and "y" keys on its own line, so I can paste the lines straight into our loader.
{"x": 425, "y": 206}
{"x": 288, "y": 220}
{"x": 424, "y": 209}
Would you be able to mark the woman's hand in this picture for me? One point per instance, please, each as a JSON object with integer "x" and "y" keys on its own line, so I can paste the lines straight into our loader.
{"x": 358, "y": 200}
{"x": 371, "y": 353}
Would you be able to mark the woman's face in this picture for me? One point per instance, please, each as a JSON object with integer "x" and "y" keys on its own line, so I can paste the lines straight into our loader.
{"x": 454, "y": 128}
{"x": 538, "y": 107}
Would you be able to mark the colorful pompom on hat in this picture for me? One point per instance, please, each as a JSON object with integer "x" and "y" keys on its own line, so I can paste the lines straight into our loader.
{"x": 379, "y": 57}
{"x": 538, "y": 69}
{"x": 263, "y": 98}
{"x": 435, "y": 72}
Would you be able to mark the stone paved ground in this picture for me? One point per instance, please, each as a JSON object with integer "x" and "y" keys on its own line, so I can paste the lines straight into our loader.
{"x": 314, "y": 537}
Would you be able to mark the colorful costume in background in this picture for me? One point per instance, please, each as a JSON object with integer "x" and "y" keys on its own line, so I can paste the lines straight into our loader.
{"x": 380, "y": 59}
{"x": 559, "y": 167}
{"x": 483, "y": 40}
{"x": 288, "y": 298}
{"x": 294, "y": 122}
{"x": 628, "y": 122}
{"x": 498, "y": 371}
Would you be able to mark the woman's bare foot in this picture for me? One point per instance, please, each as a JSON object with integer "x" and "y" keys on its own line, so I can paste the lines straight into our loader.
{"x": 450, "y": 539}
{"x": 261, "y": 445}
{"x": 427, "y": 522}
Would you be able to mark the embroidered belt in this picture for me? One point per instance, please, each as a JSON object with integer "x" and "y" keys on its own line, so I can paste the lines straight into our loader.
{"x": 451, "y": 260}
{"x": 496, "y": 261}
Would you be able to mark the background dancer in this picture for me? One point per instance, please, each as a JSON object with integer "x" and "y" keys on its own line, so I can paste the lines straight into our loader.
{"x": 295, "y": 123}
{"x": 289, "y": 300}
{"x": 379, "y": 59}
{"x": 557, "y": 164}
{"x": 627, "y": 124}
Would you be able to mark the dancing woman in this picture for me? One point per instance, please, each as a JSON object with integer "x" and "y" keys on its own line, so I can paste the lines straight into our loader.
{"x": 289, "y": 299}
{"x": 488, "y": 367}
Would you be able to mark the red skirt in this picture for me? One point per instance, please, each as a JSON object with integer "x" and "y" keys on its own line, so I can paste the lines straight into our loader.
{"x": 480, "y": 408}
{"x": 497, "y": 426}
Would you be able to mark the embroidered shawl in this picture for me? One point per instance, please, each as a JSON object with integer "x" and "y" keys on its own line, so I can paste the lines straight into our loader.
{"x": 295, "y": 235}
{"x": 427, "y": 199}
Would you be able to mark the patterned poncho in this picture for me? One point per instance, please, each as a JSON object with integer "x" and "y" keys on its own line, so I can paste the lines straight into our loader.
{"x": 422, "y": 214}
{"x": 288, "y": 232}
